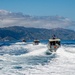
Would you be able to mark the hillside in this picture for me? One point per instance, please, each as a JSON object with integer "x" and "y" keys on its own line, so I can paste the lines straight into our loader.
{"x": 18, "y": 33}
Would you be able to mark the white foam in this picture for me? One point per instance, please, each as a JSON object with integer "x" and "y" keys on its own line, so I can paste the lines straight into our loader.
{"x": 35, "y": 50}
{"x": 62, "y": 64}
{"x": 66, "y": 51}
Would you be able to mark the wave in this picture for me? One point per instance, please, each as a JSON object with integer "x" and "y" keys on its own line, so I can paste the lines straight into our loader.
{"x": 35, "y": 61}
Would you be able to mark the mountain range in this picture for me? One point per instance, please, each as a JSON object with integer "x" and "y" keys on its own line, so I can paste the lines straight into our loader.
{"x": 18, "y": 26}
{"x": 20, "y": 32}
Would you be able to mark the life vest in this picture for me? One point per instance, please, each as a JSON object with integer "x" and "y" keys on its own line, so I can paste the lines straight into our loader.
{"x": 55, "y": 46}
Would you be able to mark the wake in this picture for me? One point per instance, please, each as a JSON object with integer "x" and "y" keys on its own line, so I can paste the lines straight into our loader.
{"x": 66, "y": 51}
{"x": 21, "y": 50}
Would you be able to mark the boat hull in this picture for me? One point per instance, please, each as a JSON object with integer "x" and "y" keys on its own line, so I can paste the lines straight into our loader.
{"x": 53, "y": 45}
{"x": 53, "y": 48}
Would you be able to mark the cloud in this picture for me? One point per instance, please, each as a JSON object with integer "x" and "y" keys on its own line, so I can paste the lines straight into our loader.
{"x": 19, "y": 19}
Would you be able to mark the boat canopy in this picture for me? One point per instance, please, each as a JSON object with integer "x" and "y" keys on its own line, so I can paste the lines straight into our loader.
{"x": 36, "y": 40}
{"x": 54, "y": 39}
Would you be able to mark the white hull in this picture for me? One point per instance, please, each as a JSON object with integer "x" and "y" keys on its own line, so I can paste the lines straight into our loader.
{"x": 53, "y": 45}
{"x": 53, "y": 48}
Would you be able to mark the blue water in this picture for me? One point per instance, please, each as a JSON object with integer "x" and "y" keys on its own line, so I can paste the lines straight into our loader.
{"x": 20, "y": 58}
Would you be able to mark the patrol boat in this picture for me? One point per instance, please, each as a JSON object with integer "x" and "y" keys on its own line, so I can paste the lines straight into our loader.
{"x": 53, "y": 44}
{"x": 23, "y": 40}
{"x": 36, "y": 42}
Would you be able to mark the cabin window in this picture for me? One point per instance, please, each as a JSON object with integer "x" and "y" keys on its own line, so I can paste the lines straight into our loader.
{"x": 36, "y": 41}
{"x": 55, "y": 42}
{"x": 52, "y": 43}
{"x": 58, "y": 42}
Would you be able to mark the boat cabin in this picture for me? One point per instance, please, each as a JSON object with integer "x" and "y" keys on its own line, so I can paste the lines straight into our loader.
{"x": 36, "y": 42}
{"x": 53, "y": 44}
{"x": 54, "y": 41}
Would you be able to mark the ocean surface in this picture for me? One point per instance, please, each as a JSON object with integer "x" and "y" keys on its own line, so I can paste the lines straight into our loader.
{"x": 20, "y": 58}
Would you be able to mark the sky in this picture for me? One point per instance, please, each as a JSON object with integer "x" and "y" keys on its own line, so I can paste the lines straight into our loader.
{"x": 38, "y": 13}
{"x": 65, "y": 8}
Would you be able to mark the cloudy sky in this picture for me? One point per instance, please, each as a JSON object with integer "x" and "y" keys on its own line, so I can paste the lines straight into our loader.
{"x": 38, "y": 13}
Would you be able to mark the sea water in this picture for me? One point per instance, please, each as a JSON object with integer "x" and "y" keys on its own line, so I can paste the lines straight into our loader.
{"x": 20, "y": 58}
